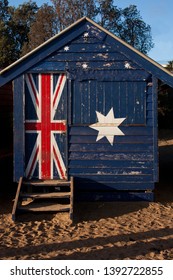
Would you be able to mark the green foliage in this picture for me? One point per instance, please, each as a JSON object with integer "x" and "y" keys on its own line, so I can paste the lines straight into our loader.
{"x": 69, "y": 11}
{"x": 6, "y": 42}
{"x": 169, "y": 65}
{"x": 27, "y": 26}
{"x": 108, "y": 15}
{"x": 126, "y": 23}
{"x": 43, "y": 28}
{"x": 134, "y": 30}
{"x": 22, "y": 18}
{"x": 4, "y": 10}
{"x": 14, "y": 27}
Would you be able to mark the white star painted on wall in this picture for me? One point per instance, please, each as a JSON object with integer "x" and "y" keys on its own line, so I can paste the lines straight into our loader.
{"x": 127, "y": 65}
{"x": 86, "y": 34}
{"x": 66, "y": 48}
{"x": 107, "y": 126}
{"x": 84, "y": 66}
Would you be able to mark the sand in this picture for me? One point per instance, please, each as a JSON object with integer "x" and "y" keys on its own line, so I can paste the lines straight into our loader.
{"x": 100, "y": 230}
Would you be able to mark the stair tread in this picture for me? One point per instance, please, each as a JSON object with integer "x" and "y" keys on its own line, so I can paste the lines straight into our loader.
{"x": 45, "y": 207}
{"x": 46, "y": 195}
{"x": 47, "y": 183}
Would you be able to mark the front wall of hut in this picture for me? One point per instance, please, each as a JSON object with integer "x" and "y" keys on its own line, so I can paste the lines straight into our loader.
{"x": 108, "y": 110}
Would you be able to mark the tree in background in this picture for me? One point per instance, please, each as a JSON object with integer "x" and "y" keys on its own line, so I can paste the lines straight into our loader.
{"x": 20, "y": 24}
{"x": 27, "y": 26}
{"x": 6, "y": 40}
{"x": 15, "y": 24}
{"x": 169, "y": 65}
{"x": 126, "y": 23}
{"x": 134, "y": 30}
{"x": 108, "y": 15}
{"x": 69, "y": 11}
{"x": 52, "y": 19}
{"x": 43, "y": 28}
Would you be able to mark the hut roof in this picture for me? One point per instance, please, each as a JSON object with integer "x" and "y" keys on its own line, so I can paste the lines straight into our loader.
{"x": 61, "y": 39}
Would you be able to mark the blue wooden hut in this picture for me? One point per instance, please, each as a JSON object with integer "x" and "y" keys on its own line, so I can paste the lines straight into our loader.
{"x": 85, "y": 106}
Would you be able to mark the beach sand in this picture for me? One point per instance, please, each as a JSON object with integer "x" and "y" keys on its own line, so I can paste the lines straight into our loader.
{"x": 100, "y": 230}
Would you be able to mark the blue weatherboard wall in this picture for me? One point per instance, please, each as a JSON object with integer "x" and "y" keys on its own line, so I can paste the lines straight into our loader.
{"x": 102, "y": 74}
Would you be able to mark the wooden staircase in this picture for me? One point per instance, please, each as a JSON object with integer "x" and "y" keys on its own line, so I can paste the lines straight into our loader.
{"x": 44, "y": 196}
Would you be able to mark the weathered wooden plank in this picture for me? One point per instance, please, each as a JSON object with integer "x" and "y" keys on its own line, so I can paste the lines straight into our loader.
{"x": 90, "y": 39}
{"x": 111, "y": 156}
{"x": 118, "y": 139}
{"x": 18, "y": 128}
{"x": 128, "y": 130}
{"x": 155, "y": 127}
{"x": 76, "y": 100}
{"x": 149, "y": 98}
{"x": 110, "y": 164}
{"x": 45, "y": 207}
{"x": 86, "y": 105}
{"x": 91, "y": 48}
{"x": 47, "y": 183}
{"x": 115, "y": 196}
{"x": 149, "y": 122}
{"x": 127, "y": 75}
{"x": 83, "y": 185}
{"x": 89, "y": 56}
{"x": 141, "y": 147}
{"x": 101, "y": 65}
{"x": 149, "y": 114}
{"x": 134, "y": 100}
{"x": 46, "y": 195}
{"x": 126, "y": 178}
{"x": 95, "y": 31}
{"x": 113, "y": 171}
{"x": 149, "y": 106}
{"x": 71, "y": 197}
{"x": 49, "y": 66}
{"x": 150, "y": 88}
{"x": 140, "y": 103}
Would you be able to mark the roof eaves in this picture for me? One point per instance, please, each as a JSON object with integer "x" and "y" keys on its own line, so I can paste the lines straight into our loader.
{"x": 132, "y": 48}
{"x": 40, "y": 46}
{"x": 99, "y": 27}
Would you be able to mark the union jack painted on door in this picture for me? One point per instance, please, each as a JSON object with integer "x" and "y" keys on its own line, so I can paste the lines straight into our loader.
{"x": 45, "y": 126}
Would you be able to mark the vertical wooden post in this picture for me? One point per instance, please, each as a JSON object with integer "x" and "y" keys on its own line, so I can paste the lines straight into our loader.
{"x": 18, "y": 128}
{"x": 155, "y": 127}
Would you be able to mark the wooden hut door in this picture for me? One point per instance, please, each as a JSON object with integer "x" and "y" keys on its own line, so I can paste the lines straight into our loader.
{"x": 45, "y": 126}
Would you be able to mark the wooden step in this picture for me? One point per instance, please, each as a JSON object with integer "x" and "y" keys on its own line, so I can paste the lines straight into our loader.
{"x": 46, "y": 195}
{"x": 47, "y": 183}
{"x": 29, "y": 198}
{"x": 45, "y": 207}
